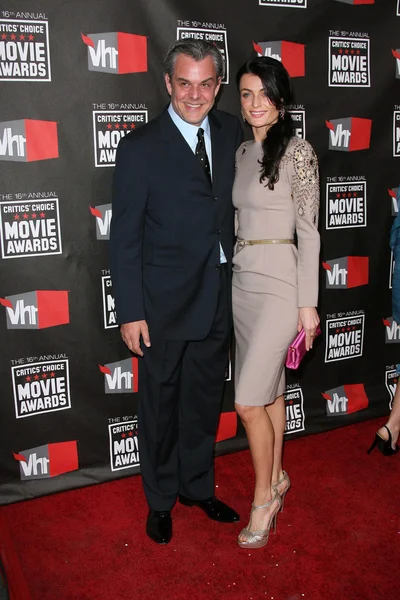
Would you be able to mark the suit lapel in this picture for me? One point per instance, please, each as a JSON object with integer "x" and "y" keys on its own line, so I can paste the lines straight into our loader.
{"x": 177, "y": 147}
{"x": 217, "y": 147}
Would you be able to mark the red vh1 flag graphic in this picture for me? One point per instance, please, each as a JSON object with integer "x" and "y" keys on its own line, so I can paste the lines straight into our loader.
{"x": 28, "y": 140}
{"x": 116, "y": 52}
{"x": 292, "y": 55}
{"x": 345, "y": 399}
{"x": 227, "y": 427}
{"x": 36, "y": 310}
{"x": 347, "y": 272}
{"x": 47, "y": 461}
{"x": 349, "y": 134}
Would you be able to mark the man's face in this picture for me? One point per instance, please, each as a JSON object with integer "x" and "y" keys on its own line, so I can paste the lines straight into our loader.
{"x": 193, "y": 88}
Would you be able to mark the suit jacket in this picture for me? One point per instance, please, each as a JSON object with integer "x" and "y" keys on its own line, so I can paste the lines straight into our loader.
{"x": 167, "y": 224}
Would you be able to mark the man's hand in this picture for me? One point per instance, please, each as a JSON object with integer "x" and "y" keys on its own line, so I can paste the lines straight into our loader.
{"x": 131, "y": 333}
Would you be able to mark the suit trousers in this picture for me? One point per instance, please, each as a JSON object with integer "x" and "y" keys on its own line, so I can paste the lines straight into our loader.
{"x": 180, "y": 386}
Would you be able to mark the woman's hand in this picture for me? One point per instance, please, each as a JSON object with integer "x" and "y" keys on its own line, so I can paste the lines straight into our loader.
{"x": 308, "y": 320}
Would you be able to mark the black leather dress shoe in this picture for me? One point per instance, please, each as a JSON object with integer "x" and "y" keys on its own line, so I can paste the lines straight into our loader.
{"x": 159, "y": 526}
{"x": 214, "y": 509}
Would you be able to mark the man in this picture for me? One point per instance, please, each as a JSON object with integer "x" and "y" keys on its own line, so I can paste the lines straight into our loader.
{"x": 171, "y": 246}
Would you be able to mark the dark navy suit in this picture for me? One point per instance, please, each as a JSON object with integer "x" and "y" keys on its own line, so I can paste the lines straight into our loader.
{"x": 167, "y": 226}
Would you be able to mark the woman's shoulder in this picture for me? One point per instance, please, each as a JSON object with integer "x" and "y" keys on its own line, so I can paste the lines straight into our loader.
{"x": 300, "y": 146}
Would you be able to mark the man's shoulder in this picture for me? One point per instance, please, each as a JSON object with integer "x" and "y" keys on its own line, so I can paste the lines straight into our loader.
{"x": 145, "y": 133}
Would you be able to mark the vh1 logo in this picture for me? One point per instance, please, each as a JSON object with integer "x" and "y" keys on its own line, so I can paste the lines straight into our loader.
{"x": 349, "y": 134}
{"x": 345, "y": 399}
{"x": 356, "y": 2}
{"x": 27, "y": 140}
{"x": 396, "y": 55}
{"x": 395, "y": 204}
{"x": 347, "y": 272}
{"x": 121, "y": 377}
{"x": 116, "y": 52}
{"x": 47, "y": 461}
{"x": 103, "y": 215}
{"x": 36, "y": 310}
{"x": 392, "y": 331}
{"x": 290, "y": 54}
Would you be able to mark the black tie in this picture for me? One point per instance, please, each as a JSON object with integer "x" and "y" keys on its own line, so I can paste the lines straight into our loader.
{"x": 202, "y": 154}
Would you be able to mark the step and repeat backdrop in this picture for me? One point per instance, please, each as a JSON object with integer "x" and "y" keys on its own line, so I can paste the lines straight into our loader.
{"x": 78, "y": 76}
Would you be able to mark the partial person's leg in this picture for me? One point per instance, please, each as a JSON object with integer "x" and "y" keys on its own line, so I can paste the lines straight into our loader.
{"x": 159, "y": 381}
{"x": 202, "y": 383}
{"x": 277, "y": 415}
{"x": 393, "y": 423}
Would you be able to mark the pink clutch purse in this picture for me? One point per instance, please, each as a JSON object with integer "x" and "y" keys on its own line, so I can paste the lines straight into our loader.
{"x": 297, "y": 349}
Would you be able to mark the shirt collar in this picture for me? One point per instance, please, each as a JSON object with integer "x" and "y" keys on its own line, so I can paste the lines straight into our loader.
{"x": 188, "y": 130}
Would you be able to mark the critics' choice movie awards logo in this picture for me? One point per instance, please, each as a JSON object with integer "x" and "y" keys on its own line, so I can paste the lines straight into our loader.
{"x": 291, "y": 55}
{"x": 349, "y": 62}
{"x": 345, "y": 399}
{"x": 209, "y": 32}
{"x": 299, "y": 121}
{"x": 27, "y": 140}
{"x": 121, "y": 377}
{"x": 346, "y": 272}
{"x": 24, "y": 50}
{"x": 396, "y": 133}
{"x": 116, "y": 52}
{"x": 36, "y": 310}
{"x": 392, "y": 331}
{"x": 284, "y": 3}
{"x": 41, "y": 387}
{"x": 344, "y": 338}
{"x": 346, "y": 203}
{"x": 391, "y": 379}
{"x": 47, "y": 461}
{"x": 294, "y": 402}
{"x": 102, "y": 214}
{"x": 30, "y": 227}
{"x": 109, "y": 313}
{"x": 349, "y": 134}
{"x": 109, "y": 126}
{"x": 124, "y": 445}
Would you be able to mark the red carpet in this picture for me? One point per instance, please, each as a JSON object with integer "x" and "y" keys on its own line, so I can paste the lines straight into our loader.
{"x": 338, "y": 538}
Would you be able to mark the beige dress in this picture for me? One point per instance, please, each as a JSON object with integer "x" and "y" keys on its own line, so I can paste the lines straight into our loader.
{"x": 271, "y": 281}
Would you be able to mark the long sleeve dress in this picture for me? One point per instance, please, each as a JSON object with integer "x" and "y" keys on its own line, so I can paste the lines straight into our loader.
{"x": 271, "y": 281}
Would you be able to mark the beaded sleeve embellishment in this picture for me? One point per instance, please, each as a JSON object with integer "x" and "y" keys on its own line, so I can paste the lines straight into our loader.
{"x": 306, "y": 181}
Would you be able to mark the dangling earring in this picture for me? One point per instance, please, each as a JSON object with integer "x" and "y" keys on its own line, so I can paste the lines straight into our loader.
{"x": 282, "y": 112}
{"x": 243, "y": 117}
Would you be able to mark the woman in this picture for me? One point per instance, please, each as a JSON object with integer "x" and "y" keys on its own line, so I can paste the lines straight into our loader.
{"x": 275, "y": 284}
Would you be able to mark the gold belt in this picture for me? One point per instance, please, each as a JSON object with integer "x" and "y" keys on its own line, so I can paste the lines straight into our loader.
{"x": 241, "y": 243}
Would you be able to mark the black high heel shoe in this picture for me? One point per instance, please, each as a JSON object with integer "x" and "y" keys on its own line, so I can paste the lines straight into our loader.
{"x": 385, "y": 446}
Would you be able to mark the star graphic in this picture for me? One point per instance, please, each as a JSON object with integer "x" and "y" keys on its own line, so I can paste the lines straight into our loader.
{"x": 357, "y": 52}
{"x": 16, "y": 217}
{"x": 123, "y": 435}
{"x": 13, "y": 36}
{"x": 352, "y": 51}
{"x": 52, "y": 374}
{"x": 33, "y": 215}
{"x": 343, "y": 195}
{"x": 349, "y": 329}
{"x": 130, "y": 434}
{"x": 4, "y": 36}
{"x": 343, "y": 328}
{"x": 349, "y": 194}
{"x": 125, "y": 126}
{"x": 337, "y": 195}
{"x": 31, "y": 37}
{"x": 354, "y": 327}
{"x": 42, "y": 215}
{"x": 291, "y": 402}
{"x": 44, "y": 375}
{"x": 36, "y": 377}
{"x": 109, "y": 126}
{"x": 133, "y": 125}
{"x": 346, "y": 51}
{"x": 355, "y": 194}
{"x": 22, "y": 37}
{"x": 117, "y": 125}
{"x": 26, "y": 216}
{"x": 28, "y": 378}
{"x": 337, "y": 331}
{"x": 341, "y": 51}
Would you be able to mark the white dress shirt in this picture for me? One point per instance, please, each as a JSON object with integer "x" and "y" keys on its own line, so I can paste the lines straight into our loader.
{"x": 189, "y": 132}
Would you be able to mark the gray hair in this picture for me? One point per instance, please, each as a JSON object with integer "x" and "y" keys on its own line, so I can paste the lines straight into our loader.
{"x": 196, "y": 49}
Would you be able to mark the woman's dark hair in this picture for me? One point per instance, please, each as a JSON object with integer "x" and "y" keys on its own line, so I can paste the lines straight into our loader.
{"x": 277, "y": 86}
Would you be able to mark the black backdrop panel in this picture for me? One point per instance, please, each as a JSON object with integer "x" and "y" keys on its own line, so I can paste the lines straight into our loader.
{"x": 76, "y": 77}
